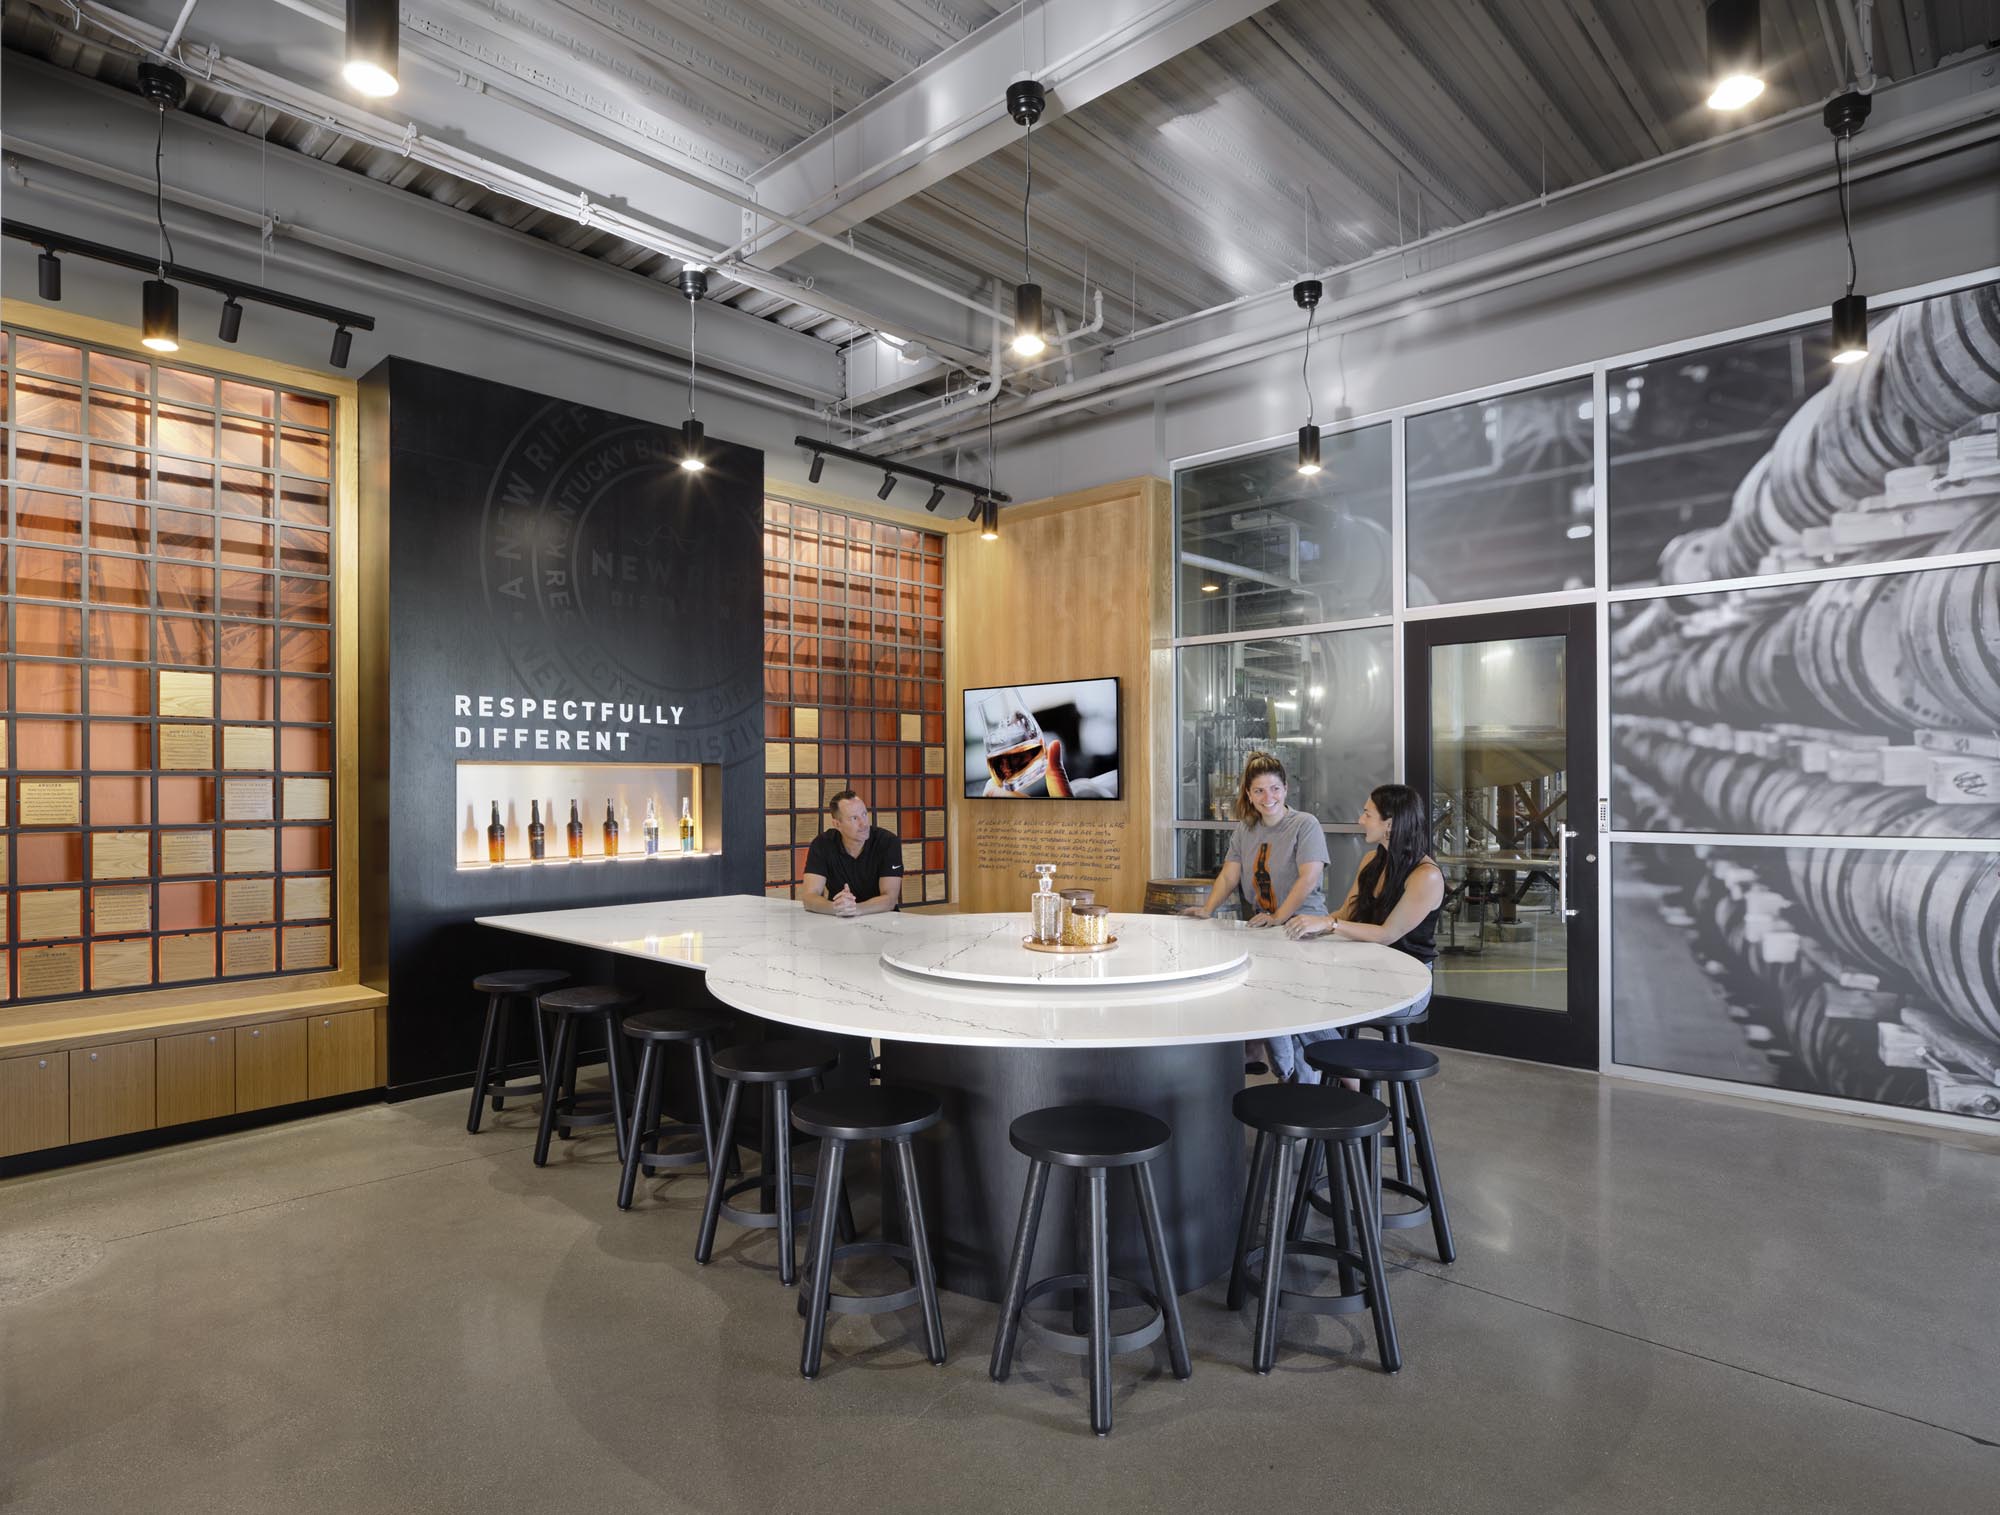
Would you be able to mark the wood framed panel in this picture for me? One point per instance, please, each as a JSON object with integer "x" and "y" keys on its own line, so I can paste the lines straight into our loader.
{"x": 111, "y": 1090}
{"x": 270, "y": 1064}
{"x": 195, "y": 1076}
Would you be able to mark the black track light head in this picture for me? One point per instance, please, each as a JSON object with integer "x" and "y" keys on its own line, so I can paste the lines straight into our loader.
{"x": 1735, "y": 53}
{"x": 1026, "y": 101}
{"x": 937, "y": 497}
{"x": 1846, "y": 114}
{"x": 978, "y": 508}
{"x": 888, "y": 486}
{"x": 160, "y": 317}
{"x": 692, "y": 281}
{"x": 1306, "y": 293}
{"x": 818, "y": 468}
{"x": 231, "y": 325}
{"x": 343, "y": 344}
{"x": 48, "y": 276}
{"x": 162, "y": 85}
{"x": 372, "y": 47}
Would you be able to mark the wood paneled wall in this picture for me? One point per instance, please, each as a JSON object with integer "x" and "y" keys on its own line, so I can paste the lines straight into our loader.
{"x": 1077, "y": 587}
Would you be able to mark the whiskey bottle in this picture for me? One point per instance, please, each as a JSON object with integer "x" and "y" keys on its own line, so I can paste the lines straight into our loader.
{"x": 652, "y": 832}
{"x": 496, "y": 838}
{"x": 687, "y": 827}
{"x": 575, "y": 833}
{"x": 610, "y": 831}
{"x": 538, "y": 836}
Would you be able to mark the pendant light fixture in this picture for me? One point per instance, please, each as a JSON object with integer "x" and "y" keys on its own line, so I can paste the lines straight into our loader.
{"x": 989, "y": 523}
{"x": 1025, "y": 102}
{"x": 371, "y": 47}
{"x": 1305, "y": 294}
{"x": 1735, "y": 53}
{"x": 1845, "y": 115}
{"x": 160, "y": 302}
{"x": 694, "y": 284}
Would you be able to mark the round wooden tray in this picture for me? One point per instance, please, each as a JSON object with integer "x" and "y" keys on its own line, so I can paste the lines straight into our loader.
{"x": 1034, "y": 946}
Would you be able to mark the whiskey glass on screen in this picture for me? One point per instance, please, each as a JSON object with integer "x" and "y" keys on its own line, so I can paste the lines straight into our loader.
{"x": 1016, "y": 753}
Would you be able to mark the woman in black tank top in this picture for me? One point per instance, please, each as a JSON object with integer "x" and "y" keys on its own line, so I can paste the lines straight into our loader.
{"x": 1399, "y": 889}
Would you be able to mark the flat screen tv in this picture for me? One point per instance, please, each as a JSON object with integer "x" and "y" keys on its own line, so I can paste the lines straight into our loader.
{"x": 1042, "y": 741}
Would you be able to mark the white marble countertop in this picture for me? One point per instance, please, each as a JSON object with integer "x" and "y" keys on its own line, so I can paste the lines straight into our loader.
{"x": 822, "y": 973}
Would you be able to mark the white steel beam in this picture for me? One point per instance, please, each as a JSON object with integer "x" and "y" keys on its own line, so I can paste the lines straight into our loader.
{"x": 951, "y": 111}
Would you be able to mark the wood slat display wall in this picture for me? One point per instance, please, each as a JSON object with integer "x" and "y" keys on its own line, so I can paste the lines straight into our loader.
{"x": 166, "y": 659}
{"x": 853, "y": 687}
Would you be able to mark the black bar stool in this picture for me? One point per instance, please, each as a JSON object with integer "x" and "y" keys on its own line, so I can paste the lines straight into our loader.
{"x": 776, "y": 1065}
{"x": 891, "y": 1115}
{"x": 1285, "y": 1117}
{"x": 1403, "y": 1068}
{"x": 507, "y": 992}
{"x": 1093, "y": 1138}
{"x": 564, "y": 1108}
{"x": 655, "y": 1031}
{"x": 1395, "y": 1027}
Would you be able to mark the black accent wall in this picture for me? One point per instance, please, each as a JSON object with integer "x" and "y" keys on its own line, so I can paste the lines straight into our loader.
{"x": 518, "y": 546}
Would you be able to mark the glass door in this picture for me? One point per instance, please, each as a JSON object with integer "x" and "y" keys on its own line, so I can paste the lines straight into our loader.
{"x": 1501, "y": 744}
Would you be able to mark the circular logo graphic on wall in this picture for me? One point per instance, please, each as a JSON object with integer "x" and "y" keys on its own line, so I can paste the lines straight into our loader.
{"x": 598, "y": 572}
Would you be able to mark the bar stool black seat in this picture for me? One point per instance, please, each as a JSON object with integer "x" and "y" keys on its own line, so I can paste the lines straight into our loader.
{"x": 1287, "y": 1117}
{"x": 1093, "y": 1139}
{"x": 508, "y": 992}
{"x": 775, "y": 1066}
{"x": 1403, "y": 1068}
{"x": 565, "y": 1109}
{"x": 889, "y": 1114}
{"x": 1395, "y": 1026}
{"x": 655, "y": 1031}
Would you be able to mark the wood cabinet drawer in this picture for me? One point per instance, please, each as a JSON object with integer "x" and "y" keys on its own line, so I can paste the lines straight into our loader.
{"x": 110, "y": 1090}
{"x": 341, "y": 1053}
{"x": 195, "y": 1076}
{"x": 270, "y": 1064}
{"x": 34, "y": 1102}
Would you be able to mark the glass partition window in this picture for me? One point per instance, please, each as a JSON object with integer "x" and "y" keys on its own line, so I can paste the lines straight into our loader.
{"x": 1497, "y": 496}
{"x": 1323, "y": 703}
{"x": 1262, "y": 547}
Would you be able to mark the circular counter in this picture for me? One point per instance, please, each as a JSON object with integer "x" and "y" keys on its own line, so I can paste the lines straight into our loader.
{"x": 1007, "y": 1037}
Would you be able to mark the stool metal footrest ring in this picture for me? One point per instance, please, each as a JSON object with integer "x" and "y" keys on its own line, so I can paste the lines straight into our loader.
{"x": 1074, "y": 1345}
{"x": 869, "y": 1304}
{"x": 758, "y": 1219}
{"x": 1346, "y": 1302}
{"x": 651, "y": 1158}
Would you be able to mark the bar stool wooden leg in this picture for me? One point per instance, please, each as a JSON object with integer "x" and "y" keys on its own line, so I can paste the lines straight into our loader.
{"x": 1369, "y": 1217}
{"x": 1264, "y": 1351}
{"x": 919, "y": 1243}
{"x": 711, "y": 1209}
{"x": 1163, "y": 1269}
{"x": 781, "y": 1122}
{"x": 1026, "y": 1229}
{"x": 1433, "y": 1185}
{"x": 1100, "y": 1309}
{"x": 1246, "y": 1229}
{"x": 479, "y": 1074}
{"x": 644, "y": 1116}
{"x": 564, "y": 1055}
{"x": 820, "y": 1255}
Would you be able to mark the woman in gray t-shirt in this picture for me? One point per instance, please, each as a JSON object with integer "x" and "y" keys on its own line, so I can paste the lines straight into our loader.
{"x": 1277, "y": 857}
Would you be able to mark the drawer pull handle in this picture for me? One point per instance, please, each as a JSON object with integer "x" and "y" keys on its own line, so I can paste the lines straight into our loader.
{"x": 211, "y": 1041}
{"x": 255, "y": 1034}
{"x": 93, "y": 1057}
{"x": 41, "y": 1062}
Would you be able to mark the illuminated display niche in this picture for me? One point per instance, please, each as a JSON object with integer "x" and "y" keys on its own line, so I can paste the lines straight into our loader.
{"x": 519, "y": 788}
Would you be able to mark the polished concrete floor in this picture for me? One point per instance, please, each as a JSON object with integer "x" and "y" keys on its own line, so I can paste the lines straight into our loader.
{"x": 1662, "y": 1303}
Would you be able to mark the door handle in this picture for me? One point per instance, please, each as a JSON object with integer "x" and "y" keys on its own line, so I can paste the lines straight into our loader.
{"x": 1564, "y": 836}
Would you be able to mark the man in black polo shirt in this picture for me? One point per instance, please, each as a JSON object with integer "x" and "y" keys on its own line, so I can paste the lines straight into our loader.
{"x": 853, "y": 868}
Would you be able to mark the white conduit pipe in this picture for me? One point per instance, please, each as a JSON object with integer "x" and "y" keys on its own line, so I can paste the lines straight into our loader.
{"x": 973, "y": 399}
{"x": 1933, "y": 133}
